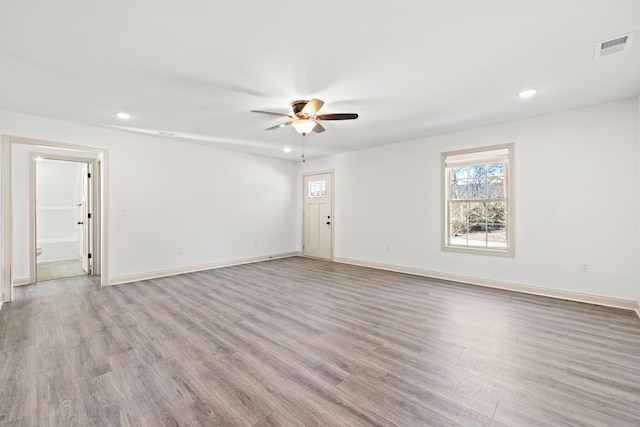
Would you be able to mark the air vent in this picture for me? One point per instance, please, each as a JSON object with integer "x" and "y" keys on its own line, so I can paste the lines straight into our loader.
{"x": 613, "y": 46}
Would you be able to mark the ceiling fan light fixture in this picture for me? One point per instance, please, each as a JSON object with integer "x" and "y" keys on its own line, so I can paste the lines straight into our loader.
{"x": 305, "y": 118}
{"x": 304, "y": 126}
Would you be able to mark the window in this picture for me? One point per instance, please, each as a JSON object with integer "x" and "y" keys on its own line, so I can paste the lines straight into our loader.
{"x": 478, "y": 200}
{"x": 318, "y": 188}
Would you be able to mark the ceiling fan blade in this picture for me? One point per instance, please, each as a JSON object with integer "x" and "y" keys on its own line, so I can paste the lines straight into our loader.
{"x": 313, "y": 107}
{"x": 281, "y": 125}
{"x": 337, "y": 116}
{"x": 318, "y": 128}
{"x": 271, "y": 113}
{"x": 298, "y": 106}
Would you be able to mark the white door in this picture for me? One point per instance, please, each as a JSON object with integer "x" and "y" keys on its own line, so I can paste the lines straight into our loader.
{"x": 85, "y": 222}
{"x": 318, "y": 216}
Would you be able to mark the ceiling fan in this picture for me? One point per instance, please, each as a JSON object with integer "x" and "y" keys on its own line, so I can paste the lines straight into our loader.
{"x": 305, "y": 116}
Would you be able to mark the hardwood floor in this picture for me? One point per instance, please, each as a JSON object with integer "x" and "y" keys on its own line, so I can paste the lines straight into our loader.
{"x": 306, "y": 342}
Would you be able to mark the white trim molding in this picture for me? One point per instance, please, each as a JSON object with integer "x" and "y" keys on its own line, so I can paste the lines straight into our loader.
{"x": 97, "y": 156}
{"x": 193, "y": 269}
{"x": 507, "y": 286}
{"x": 96, "y": 187}
{"x": 503, "y": 153}
{"x": 7, "y": 232}
{"x": 21, "y": 281}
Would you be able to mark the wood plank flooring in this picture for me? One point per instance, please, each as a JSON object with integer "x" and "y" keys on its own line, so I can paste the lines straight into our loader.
{"x": 297, "y": 341}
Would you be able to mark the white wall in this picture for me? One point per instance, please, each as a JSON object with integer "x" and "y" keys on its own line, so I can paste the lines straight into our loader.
{"x": 177, "y": 195}
{"x": 58, "y": 192}
{"x": 577, "y": 199}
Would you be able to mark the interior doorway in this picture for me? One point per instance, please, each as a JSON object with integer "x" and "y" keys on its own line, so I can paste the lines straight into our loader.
{"x": 18, "y": 225}
{"x": 63, "y": 213}
{"x": 317, "y": 216}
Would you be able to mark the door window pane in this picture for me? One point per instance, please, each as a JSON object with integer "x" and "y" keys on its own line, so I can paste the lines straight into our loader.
{"x": 318, "y": 188}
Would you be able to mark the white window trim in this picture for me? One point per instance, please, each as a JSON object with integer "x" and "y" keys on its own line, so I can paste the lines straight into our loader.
{"x": 511, "y": 203}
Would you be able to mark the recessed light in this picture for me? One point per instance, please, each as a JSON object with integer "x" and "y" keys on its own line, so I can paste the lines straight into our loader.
{"x": 123, "y": 116}
{"x": 527, "y": 93}
{"x": 287, "y": 149}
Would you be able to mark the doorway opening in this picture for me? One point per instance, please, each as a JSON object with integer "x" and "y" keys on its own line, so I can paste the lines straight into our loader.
{"x": 63, "y": 218}
{"x": 18, "y": 226}
{"x": 317, "y": 215}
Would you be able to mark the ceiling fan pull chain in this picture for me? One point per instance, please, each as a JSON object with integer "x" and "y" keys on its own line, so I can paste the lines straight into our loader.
{"x": 303, "y": 159}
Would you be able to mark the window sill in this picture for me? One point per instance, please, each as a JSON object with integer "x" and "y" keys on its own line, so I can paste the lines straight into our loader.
{"x": 480, "y": 251}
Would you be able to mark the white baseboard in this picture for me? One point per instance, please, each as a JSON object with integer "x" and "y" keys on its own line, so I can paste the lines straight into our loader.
{"x": 183, "y": 270}
{"x": 21, "y": 281}
{"x": 527, "y": 289}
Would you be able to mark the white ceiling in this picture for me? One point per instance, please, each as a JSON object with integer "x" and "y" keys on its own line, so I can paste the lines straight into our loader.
{"x": 410, "y": 68}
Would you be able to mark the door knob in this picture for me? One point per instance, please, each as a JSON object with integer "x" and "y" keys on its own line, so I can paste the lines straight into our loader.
{"x": 80, "y": 222}
{"x": 328, "y": 222}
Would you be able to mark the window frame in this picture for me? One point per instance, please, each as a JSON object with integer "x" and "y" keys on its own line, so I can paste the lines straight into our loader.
{"x": 484, "y": 154}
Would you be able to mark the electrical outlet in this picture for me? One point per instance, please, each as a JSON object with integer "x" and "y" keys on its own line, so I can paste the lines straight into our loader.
{"x": 180, "y": 250}
{"x": 585, "y": 267}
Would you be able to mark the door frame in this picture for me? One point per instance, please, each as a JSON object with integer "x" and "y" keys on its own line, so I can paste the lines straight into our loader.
{"x": 333, "y": 216}
{"x": 102, "y": 180}
{"x": 94, "y": 232}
